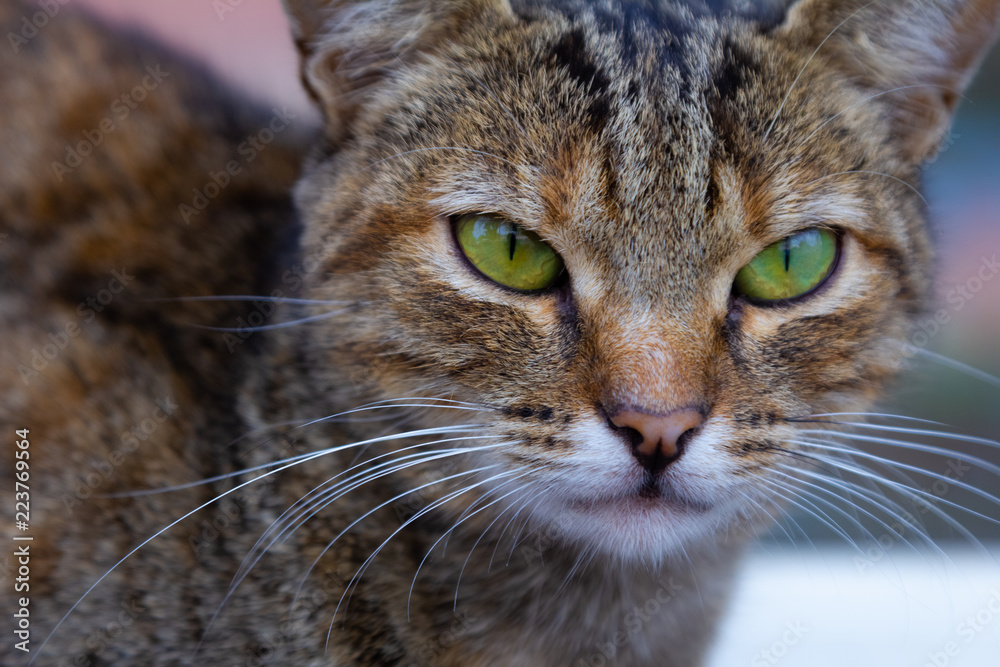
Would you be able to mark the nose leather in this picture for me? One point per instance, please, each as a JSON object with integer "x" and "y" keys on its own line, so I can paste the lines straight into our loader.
{"x": 659, "y": 433}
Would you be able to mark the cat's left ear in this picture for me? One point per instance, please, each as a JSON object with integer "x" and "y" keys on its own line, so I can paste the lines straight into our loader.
{"x": 919, "y": 55}
{"x": 349, "y": 48}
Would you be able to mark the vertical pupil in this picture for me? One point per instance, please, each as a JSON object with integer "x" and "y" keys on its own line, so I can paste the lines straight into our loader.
{"x": 512, "y": 239}
{"x": 786, "y": 252}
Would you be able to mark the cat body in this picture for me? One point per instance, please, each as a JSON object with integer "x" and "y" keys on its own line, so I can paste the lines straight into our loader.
{"x": 496, "y": 503}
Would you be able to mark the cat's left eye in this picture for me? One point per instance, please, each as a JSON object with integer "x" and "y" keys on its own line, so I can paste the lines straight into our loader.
{"x": 507, "y": 254}
{"x": 793, "y": 267}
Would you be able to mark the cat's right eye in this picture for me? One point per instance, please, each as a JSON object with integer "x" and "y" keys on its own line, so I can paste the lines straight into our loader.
{"x": 508, "y": 254}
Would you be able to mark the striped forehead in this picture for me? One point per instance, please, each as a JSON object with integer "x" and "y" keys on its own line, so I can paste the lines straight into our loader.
{"x": 614, "y": 129}
{"x": 628, "y": 173}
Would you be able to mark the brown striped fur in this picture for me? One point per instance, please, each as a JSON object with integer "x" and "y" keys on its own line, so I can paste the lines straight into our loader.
{"x": 657, "y": 146}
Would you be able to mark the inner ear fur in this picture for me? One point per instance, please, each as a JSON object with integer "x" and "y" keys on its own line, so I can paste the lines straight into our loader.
{"x": 348, "y": 48}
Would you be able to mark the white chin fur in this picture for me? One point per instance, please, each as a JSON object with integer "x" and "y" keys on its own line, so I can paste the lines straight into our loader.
{"x": 628, "y": 529}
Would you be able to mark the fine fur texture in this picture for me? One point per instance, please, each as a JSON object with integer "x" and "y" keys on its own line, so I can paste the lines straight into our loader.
{"x": 495, "y": 514}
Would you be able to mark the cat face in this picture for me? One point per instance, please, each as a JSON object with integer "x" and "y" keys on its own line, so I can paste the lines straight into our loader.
{"x": 640, "y": 397}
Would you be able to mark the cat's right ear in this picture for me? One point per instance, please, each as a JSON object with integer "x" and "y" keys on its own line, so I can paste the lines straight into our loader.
{"x": 917, "y": 55}
{"x": 349, "y": 47}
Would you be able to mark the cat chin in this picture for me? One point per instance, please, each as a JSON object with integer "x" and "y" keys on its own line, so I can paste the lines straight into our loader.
{"x": 640, "y": 527}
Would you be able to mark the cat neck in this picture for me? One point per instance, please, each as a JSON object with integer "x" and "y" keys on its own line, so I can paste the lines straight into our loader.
{"x": 556, "y": 600}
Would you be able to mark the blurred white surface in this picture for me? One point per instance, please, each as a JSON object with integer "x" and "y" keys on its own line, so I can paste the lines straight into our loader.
{"x": 833, "y": 607}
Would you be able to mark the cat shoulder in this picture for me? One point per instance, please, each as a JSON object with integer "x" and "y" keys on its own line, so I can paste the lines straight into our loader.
{"x": 131, "y": 182}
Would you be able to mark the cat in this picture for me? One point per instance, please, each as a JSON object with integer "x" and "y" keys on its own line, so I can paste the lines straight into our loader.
{"x": 535, "y": 345}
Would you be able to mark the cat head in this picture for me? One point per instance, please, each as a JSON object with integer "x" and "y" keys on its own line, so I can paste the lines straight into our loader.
{"x": 645, "y": 240}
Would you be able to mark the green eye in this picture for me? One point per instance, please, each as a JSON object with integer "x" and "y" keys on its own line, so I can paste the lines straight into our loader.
{"x": 789, "y": 268}
{"x": 507, "y": 254}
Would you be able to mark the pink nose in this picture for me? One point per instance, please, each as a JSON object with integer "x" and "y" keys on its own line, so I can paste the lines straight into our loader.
{"x": 658, "y": 435}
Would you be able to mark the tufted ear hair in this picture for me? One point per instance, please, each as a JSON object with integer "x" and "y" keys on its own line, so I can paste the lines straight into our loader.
{"x": 917, "y": 55}
{"x": 349, "y": 47}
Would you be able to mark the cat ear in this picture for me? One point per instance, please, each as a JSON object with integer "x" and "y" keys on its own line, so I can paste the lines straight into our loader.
{"x": 927, "y": 50}
{"x": 348, "y": 48}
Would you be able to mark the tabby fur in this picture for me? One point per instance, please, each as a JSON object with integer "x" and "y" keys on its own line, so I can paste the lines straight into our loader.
{"x": 658, "y": 147}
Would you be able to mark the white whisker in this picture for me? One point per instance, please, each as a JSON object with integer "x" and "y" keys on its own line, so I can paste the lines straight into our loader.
{"x": 432, "y": 506}
{"x": 884, "y": 415}
{"x": 245, "y": 297}
{"x": 919, "y": 446}
{"x": 913, "y": 431}
{"x": 916, "y": 494}
{"x": 315, "y": 500}
{"x": 336, "y": 492}
{"x": 781, "y": 523}
{"x": 277, "y": 325}
{"x": 476, "y": 543}
{"x": 396, "y": 498}
{"x": 257, "y": 552}
{"x": 516, "y": 541}
{"x": 508, "y": 524}
{"x": 219, "y": 497}
{"x": 824, "y": 519}
{"x": 872, "y": 496}
{"x": 861, "y": 509}
{"x": 809, "y": 60}
{"x": 905, "y": 466}
{"x": 209, "y": 480}
{"x": 456, "y": 525}
{"x": 956, "y": 365}
{"x": 871, "y": 173}
{"x": 869, "y": 98}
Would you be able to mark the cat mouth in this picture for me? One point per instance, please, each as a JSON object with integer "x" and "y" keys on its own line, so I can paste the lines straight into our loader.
{"x": 650, "y": 494}
{"x": 650, "y": 490}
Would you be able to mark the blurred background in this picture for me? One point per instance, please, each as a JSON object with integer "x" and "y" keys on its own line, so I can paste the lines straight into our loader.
{"x": 805, "y": 596}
